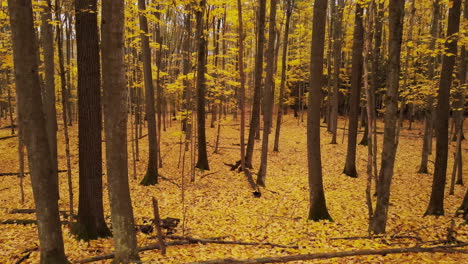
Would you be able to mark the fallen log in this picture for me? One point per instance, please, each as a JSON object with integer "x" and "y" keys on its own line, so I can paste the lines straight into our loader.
{"x": 365, "y": 252}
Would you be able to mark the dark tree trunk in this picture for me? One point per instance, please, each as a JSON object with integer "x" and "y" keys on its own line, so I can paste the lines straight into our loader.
{"x": 463, "y": 210}
{"x": 115, "y": 128}
{"x": 187, "y": 103}
{"x": 318, "y": 208}
{"x": 378, "y": 221}
{"x": 337, "y": 41}
{"x": 267, "y": 95}
{"x": 356, "y": 76}
{"x": 34, "y": 133}
{"x": 202, "y": 162}
{"x": 64, "y": 83}
{"x": 428, "y": 111}
{"x": 284, "y": 66}
{"x": 242, "y": 85}
{"x": 436, "y": 203}
{"x": 460, "y": 103}
{"x": 90, "y": 224}
{"x": 255, "y": 116}
{"x": 151, "y": 176}
{"x": 49, "y": 84}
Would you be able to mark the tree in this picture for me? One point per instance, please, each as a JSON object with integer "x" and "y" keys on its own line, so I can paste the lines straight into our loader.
{"x": 34, "y": 132}
{"x": 255, "y": 116}
{"x": 337, "y": 40}
{"x": 318, "y": 209}
{"x": 48, "y": 93}
{"x": 115, "y": 128}
{"x": 90, "y": 224}
{"x": 242, "y": 85}
{"x": 267, "y": 94}
{"x": 289, "y": 7}
{"x": 356, "y": 77}
{"x": 151, "y": 176}
{"x": 378, "y": 220}
{"x": 428, "y": 124}
{"x": 436, "y": 202}
{"x": 202, "y": 162}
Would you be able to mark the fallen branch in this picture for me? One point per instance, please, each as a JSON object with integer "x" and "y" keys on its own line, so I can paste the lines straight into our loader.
{"x": 242, "y": 243}
{"x": 17, "y": 173}
{"x": 372, "y": 237}
{"x": 26, "y": 256}
{"x": 146, "y": 248}
{"x": 25, "y": 222}
{"x": 365, "y": 252}
{"x": 8, "y": 137}
{"x": 27, "y": 211}
{"x": 169, "y": 180}
{"x": 203, "y": 176}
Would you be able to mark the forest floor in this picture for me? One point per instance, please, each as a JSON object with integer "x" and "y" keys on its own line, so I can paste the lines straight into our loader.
{"x": 220, "y": 202}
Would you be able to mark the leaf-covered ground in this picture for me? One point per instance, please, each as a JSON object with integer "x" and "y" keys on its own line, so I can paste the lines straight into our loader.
{"x": 220, "y": 202}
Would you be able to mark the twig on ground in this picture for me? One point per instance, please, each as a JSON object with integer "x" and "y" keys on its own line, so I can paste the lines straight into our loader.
{"x": 365, "y": 252}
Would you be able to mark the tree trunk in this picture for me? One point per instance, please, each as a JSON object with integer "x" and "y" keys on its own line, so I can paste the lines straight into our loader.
{"x": 284, "y": 66}
{"x": 436, "y": 203}
{"x": 337, "y": 41}
{"x": 356, "y": 76}
{"x": 378, "y": 221}
{"x": 318, "y": 209}
{"x": 34, "y": 132}
{"x": 91, "y": 224}
{"x": 428, "y": 124}
{"x": 202, "y": 162}
{"x": 187, "y": 103}
{"x": 47, "y": 35}
{"x": 464, "y": 207}
{"x": 242, "y": 84}
{"x": 267, "y": 95}
{"x": 115, "y": 128}
{"x": 151, "y": 177}
{"x": 255, "y": 116}
{"x": 64, "y": 84}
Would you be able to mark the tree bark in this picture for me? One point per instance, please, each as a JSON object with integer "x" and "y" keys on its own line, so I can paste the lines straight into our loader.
{"x": 428, "y": 111}
{"x": 284, "y": 67}
{"x": 337, "y": 43}
{"x": 356, "y": 76}
{"x": 115, "y": 127}
{"x": 202, "y": 162}
{"x": 378, "y": 221}
{"x": 34, "y": 132}
{"x": 151, "y": 177}
{"x": 90, "y": 224}
{"x": 255, "y": 116}
{"x": 47, "y": 35}
{"x": 242, "y": 84}
{"x": 436, "y": 202}
{"x": 267, "y": 95}
{"x": 318, "y": 209}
